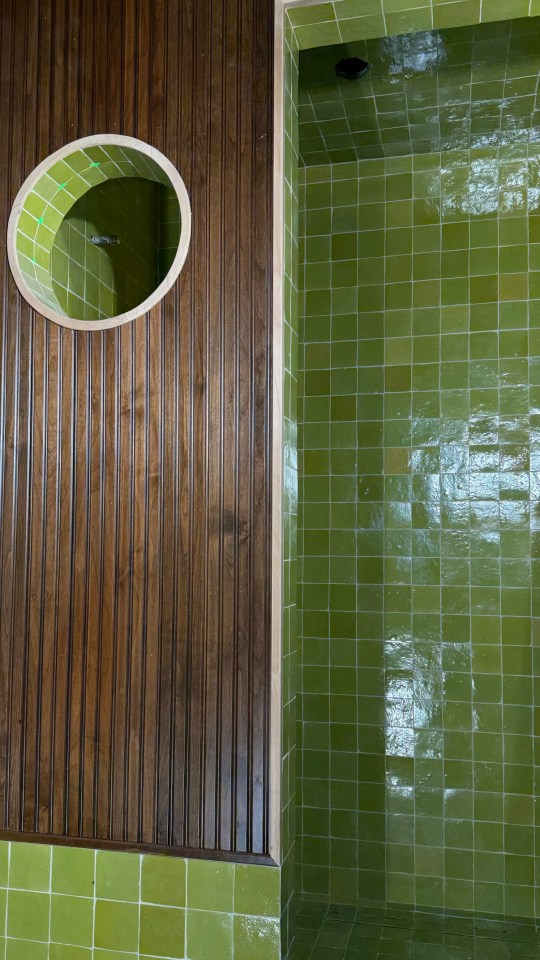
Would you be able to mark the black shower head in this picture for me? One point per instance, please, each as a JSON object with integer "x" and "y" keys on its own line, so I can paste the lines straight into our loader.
{"x": 328, "y": 66}
{"x": 351, "y": 68}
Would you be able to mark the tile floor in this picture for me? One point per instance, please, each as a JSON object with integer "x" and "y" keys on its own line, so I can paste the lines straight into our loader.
{"x": 374, "y": 933}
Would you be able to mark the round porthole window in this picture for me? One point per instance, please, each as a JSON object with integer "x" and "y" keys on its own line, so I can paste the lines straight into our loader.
{"x": 99, "y": 232}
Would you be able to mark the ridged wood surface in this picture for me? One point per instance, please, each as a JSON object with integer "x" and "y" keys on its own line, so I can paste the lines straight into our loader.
{"x": 134, "y": 463}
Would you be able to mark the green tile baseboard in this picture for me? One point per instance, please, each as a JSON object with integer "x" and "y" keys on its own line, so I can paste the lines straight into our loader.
{"x": 66, "y": 903}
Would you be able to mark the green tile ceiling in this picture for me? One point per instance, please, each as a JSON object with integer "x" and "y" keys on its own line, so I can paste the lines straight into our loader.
{"x": 343, "y": 21}
{"x": 461, "y": 88}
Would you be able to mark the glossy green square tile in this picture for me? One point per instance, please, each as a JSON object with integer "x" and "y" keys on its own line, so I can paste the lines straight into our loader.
{"x": 26, "y": 950}
{"x": 321, "y": 13}
{"x": 209, "y": 935}
{"x": 61, "y": 951}
{"x": 117, "y": 875}
{"x": 116, "y": 925}
{"x": 72, "y": 920}
{"x": 256, "y": 937}
{"x": 210, "y": 885}
{"x": 162, "y": 931}
{"x": 29, "y": 867}
{"x": 519, "y": 901}
{"x": 73, "y": 871}
{"x": 163, "y": 880}
{"x": 323, "y": 33}
{"x": 28, "y": 915}
{"x": 419, "y": 18}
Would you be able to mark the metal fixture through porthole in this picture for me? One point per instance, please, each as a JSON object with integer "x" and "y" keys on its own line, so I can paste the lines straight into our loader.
{"x": 99, "y": 232}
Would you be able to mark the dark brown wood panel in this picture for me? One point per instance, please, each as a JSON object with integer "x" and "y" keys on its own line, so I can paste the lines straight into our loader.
{"x": 135, "y": 463}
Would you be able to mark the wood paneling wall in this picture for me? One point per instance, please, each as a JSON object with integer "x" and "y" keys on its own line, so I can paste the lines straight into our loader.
{"x": 135, "y": 463}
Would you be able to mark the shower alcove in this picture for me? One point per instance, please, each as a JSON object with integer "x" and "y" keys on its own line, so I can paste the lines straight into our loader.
{"x": 411, "y": 284}
{"x": 99, "y": 232}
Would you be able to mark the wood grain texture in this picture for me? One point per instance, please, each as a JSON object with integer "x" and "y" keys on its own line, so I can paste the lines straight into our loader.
{"x": 135, "y": 468}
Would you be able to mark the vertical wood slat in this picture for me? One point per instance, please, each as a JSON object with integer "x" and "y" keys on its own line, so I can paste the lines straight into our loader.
{"x": 134, "y": 463}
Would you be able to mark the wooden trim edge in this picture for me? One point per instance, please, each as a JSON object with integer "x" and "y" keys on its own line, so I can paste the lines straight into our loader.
{"x": 277, "y": 447}
{"x": 188, "y": 853}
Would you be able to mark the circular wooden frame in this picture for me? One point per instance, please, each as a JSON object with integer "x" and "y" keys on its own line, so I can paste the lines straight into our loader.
{"x": 32, "y": 289}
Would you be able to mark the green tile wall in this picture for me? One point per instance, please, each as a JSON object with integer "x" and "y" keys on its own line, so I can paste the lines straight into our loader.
{"x": 420, "y": 491}
{"x": 451, "y": 89}
{"x": 60, "y": 903}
